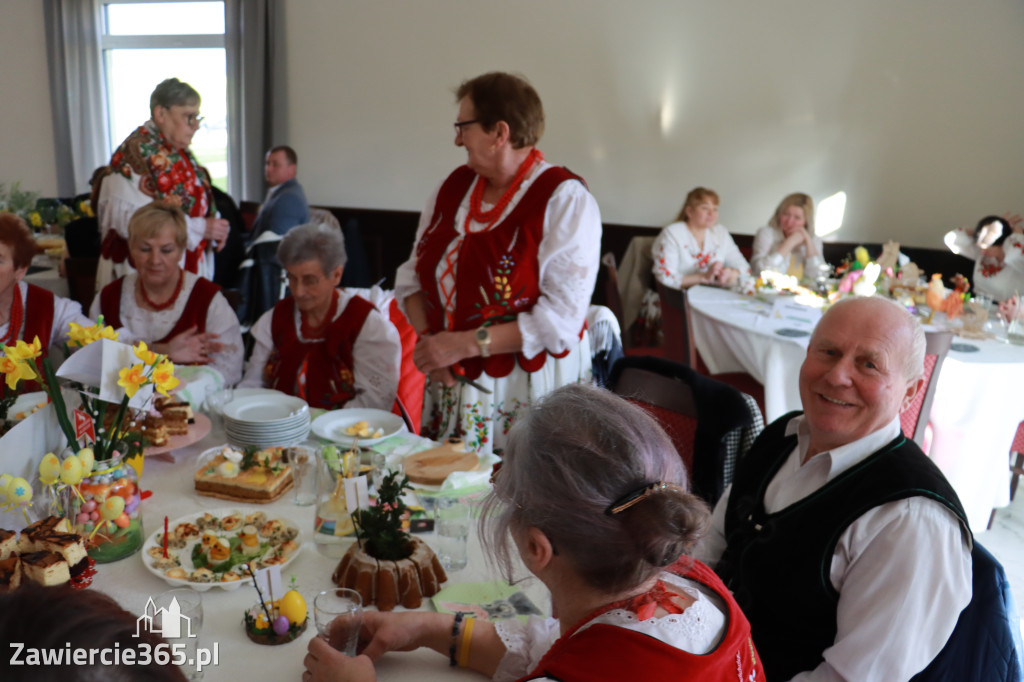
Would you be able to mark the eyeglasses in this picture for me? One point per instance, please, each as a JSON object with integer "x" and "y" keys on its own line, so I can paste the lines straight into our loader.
{"x": 195, "y": 119}
{"x": 459, "y": 125}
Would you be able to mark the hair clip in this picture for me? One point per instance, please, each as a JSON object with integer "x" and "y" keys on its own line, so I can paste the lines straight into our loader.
{"x": 638, "y": 495}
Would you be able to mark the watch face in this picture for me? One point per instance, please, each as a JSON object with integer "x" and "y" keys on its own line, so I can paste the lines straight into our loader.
{"x": 483, "y": 336}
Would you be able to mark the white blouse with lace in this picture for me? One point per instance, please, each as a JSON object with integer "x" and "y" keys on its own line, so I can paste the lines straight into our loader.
{"x": 677, "y": 254}
{"x": 697, "y": 630}
{"x": 149, "y": 325}
{"x": 568, "y": 260}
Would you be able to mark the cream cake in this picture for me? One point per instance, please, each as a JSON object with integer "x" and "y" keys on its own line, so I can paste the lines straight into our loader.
{"x": 8, "y": 543}
{"x": 259, "y": 476}
{"x": 45, "y": 568}
{"x": 10, "y": 573}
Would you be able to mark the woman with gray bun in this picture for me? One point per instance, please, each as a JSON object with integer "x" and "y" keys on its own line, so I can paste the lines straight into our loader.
{"x": 593, "y": 496}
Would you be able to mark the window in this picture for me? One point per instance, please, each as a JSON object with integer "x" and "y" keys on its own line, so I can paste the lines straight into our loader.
{"x": 145, "y": 42}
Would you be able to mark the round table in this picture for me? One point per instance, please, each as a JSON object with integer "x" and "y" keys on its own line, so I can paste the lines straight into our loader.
{"x": 974, "y": 417}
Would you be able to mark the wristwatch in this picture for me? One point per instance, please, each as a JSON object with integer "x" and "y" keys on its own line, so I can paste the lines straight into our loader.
{"x": 483, "y": 339}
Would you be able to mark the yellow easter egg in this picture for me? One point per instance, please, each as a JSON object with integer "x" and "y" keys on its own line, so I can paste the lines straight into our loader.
{"x": 112, "y": 507}
{"x": 293, "y": 607}
{"x": 5, "y": 480}
{"x": 87, "y": 457}
{"x": 19, "y": 491}
{"x": 49, "y": 469}
{"x": 71, "y": 470}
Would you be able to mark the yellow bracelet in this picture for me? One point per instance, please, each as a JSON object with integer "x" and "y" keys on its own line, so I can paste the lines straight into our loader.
{"x": 467, "y": 636}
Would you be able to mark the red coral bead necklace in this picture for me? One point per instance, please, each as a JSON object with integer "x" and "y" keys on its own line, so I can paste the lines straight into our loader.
{"x": 169, "y": 302}
{"x": 476, "y": 198}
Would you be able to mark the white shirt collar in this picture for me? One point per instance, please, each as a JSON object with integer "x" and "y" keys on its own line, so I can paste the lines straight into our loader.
{"x": 845, "y": 456}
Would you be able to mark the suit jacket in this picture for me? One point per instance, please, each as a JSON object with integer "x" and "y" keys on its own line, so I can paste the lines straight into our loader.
{"x": 261, "y": 272}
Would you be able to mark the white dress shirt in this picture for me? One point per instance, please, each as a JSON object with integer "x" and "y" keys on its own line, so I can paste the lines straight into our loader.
{"x": 376, "y": 356}
{"x": 902, "y": 570}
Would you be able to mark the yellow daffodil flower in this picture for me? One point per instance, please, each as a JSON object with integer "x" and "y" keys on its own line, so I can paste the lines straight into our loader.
{"x": 80, "y": 336}
{"x": 16, "y": 370}
{"x": 147, "y": 356}
{"x": 163, "y": 377}
{"x": 132, "y": 379}
{"x": 85, "y": 208}
{"x": 22, "y": 351}
{"x": 35, "y": 219}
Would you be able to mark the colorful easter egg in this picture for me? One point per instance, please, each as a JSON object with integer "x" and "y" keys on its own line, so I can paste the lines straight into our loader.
{"x": 49, "y": 469}
{"x": 111, "y": 508}
{"x": 71, "y": 470}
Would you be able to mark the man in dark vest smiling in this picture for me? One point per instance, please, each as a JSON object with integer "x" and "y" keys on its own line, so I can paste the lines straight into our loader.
{"x": 843, "y": 543}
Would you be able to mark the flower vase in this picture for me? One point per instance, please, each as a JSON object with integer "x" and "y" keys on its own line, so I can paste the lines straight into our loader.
{"x": 112, "y": 529}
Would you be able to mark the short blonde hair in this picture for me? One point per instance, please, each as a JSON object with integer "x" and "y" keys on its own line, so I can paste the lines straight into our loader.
{"x": 147, "y": 222}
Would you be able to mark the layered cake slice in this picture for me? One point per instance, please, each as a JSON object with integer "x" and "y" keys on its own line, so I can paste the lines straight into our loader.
{"x": 177, "y": 414}
{"x": 258, "y": 476}
{"x": 10, "y": 573}
{"x": 8, "y": 543}
{"x": 45, "y": 568}
{"x": 71, "y": 546}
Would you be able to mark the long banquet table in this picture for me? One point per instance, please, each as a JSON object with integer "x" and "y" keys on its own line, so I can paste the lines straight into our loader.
{"x": 131, "y": 584}
{"x": 974, "y": 416}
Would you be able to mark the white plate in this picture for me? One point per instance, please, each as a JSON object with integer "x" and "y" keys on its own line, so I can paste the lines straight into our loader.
{"x": 331, "y": 425}
{"x": 250, "y": 392}
{"x": 185, "y": 554}
{"x": 266, "y": 409}
{"x": 28, "y": 403}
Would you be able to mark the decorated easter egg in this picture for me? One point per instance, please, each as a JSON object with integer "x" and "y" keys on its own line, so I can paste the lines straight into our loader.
{"x": 293, "y": 607}
{"x": 71, "y": 470}
{"x": 19, "y": 491}
{"x": 122, "y": 521}
{"x": 49, "y": 469}
{"x": 88, "y": 459}
{"x": 281, "y": 625}
{"x": 111, "y": 508}
{"x": 5, "y": 480}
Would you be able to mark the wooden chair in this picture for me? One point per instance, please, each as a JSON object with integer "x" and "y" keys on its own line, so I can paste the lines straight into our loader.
{"x": 675, "y": 326}
{"x": 612, "y": 294}
{"x": 693, "y": 409}
{"x": 914, "y": 419}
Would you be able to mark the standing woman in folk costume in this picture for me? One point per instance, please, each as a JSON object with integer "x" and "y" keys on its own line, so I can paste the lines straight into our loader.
{"x": 504, "y": 266}
{"x": 176, "y": 313}
{"x": 154, "y": 162}
{"x": 28, "y": 311}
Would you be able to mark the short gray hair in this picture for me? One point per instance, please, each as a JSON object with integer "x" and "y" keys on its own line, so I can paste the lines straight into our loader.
{"x": 173, "y": 93}
{"x": 575, "y": 453}
{"x": 313, "y": 242}
{"x": 913, "y": 362}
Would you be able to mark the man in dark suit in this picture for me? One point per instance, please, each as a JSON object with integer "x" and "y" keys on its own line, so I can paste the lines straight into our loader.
{"x": 284, "y": 208}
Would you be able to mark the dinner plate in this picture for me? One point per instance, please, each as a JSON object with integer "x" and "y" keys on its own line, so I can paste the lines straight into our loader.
{"x": 196, "y": 432}
{"x": 331, "y": 425}
{"x": 27, "y": 403}
{"x": 185, "y": 554}
{"x": 266, "y": 409}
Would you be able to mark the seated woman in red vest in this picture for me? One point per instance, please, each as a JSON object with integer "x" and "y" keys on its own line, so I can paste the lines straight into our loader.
{"x": 593, "y": 496}
{"x": 329, "y": 347}
{"x": 175, "y": 312}
{"x": 499, "y": 282}
{"x": 28, "y": 311}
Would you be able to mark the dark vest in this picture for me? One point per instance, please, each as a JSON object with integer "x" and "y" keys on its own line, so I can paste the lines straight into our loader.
{"x": 39, "y": 311}
{"x": 775, "y": 561}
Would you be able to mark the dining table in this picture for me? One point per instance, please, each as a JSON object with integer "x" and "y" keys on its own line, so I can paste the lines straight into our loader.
{"x": 169, "y": 479}
{"x": 974, "y": 415}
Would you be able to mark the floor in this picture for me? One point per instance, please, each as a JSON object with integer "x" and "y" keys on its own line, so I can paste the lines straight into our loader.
{"x": 1006, "y": 542}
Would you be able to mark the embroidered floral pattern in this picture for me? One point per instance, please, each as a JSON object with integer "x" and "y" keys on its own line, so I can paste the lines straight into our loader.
{"x": 498, "y": 305}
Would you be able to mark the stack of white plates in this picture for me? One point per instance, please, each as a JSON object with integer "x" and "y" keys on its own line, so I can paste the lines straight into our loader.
{"x": 266, "y": 420}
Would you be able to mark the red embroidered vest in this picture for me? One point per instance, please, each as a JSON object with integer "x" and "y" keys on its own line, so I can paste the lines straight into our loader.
{"x": 318, "y": 371}
{"x": 39, "y": 310}
{"x": 194, "y": 314}
{"x": 498, "y": 272}
{"x": 606, "y": 652}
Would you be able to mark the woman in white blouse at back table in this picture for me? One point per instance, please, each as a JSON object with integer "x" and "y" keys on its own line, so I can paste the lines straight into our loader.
{"x": 787, "y": 244}
{"x": 696, "y": 249}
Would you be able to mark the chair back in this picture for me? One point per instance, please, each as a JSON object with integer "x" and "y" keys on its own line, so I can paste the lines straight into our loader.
{"x": 710, "y": 423}
{"x": 81, "y": 274}
{"x": 612, "y": 293}
{"x": 985, "y": 645}
{"x": 675, "y": 325}
{"x": 914, "y": 419}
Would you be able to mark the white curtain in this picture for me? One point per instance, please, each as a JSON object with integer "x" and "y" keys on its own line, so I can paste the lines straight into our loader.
{"x": 76, "y": 92}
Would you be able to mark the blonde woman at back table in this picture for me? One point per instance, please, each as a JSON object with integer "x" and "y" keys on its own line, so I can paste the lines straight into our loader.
{"x": 787, "y": 244}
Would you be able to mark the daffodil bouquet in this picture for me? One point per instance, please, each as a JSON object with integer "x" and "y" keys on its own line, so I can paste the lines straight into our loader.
{"x": 23, "y": 362}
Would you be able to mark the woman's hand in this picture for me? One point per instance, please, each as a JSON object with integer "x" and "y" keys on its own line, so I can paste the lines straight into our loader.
{"x": 1015, "y": 220}
{"x": 442, "y": 350}
{"x": 727, "y": 277}
{"x": 324, "y": 663}
{"x": 387, "y": 631}
{"x": 190, "y": 347}
{"x": 1008, "y": 308}
{"x": 217, "y": 230}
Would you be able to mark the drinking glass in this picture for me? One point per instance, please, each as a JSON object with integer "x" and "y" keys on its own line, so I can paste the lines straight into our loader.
{"x": 178, "y": 617}
{"x": 304, "y": 473}
{"x": 339, "y": 616}
{"x": 452, "y": 520}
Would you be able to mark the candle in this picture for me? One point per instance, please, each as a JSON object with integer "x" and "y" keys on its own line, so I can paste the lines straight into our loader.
{"x": 165, "y": 537}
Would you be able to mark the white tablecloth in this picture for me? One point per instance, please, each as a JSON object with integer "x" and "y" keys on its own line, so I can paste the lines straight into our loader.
{"x": 132, "y": 584}
{"x": 974, "y": 417}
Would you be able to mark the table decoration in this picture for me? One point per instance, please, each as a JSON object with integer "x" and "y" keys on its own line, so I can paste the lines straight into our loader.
{"x": 387, "y": 566}
{"x": 363, "y": 426}
{"x": 274, "y": 621}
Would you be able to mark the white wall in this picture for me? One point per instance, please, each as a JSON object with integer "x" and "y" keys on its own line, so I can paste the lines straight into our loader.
{"x": 915, "y": 108}
{"x": 26, "y": 127}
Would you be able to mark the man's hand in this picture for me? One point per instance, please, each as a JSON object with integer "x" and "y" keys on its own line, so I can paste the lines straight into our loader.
{"x": 217, "y": 230}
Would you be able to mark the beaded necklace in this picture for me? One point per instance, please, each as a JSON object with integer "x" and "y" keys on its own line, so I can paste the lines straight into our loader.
{"x": 488, "y": 218}
{"x": 169, "y": 302}
{"x": 14, "y": 323}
